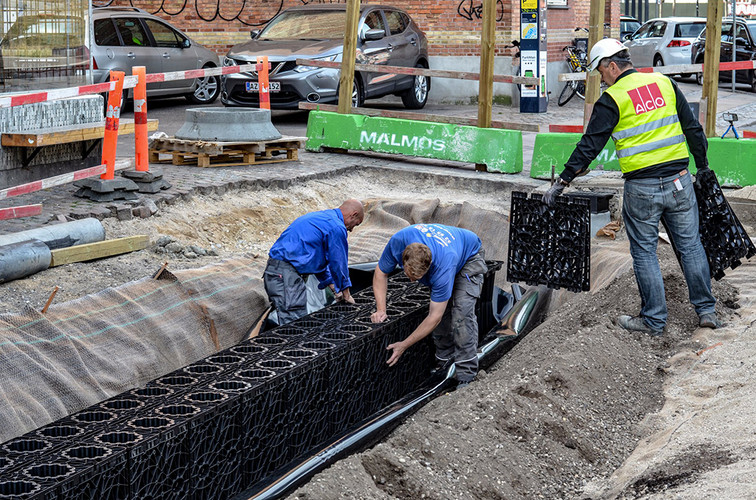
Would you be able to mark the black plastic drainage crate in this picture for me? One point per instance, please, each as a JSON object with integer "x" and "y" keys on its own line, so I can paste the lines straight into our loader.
{"x": 234, "y": 419}
{"x": 101, "y": 472}
{"x": 550, "y": 245}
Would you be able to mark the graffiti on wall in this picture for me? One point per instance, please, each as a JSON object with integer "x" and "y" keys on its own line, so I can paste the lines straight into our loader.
{"x": 472, "y": 9}
{"x": 207, "y": 11}
{"x": 467, "y": 9}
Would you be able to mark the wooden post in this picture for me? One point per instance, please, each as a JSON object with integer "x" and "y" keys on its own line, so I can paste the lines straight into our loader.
{"x": 711, "y": 66}
{"x": 487, "y": 50}
{"x": 346, "y": 80}
{"x": 593, "y": 80}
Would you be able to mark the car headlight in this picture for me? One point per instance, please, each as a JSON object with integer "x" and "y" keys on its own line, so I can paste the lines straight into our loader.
{"x": 303, "y": 69}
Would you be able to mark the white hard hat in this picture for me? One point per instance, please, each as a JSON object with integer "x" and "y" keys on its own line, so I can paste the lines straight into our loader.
{"x": 606, "y": 47}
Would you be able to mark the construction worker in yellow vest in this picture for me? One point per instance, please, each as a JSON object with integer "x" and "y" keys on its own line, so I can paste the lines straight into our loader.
{"x": 650, "y": 122}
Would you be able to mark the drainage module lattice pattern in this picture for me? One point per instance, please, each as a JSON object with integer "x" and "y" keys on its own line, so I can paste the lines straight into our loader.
{"x": 550, "y": 245}
{"x": 236, "y": 418}
{"x": 722, "y": 235}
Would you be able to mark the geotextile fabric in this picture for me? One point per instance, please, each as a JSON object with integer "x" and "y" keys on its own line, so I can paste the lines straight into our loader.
{"x": 86, "y": 350}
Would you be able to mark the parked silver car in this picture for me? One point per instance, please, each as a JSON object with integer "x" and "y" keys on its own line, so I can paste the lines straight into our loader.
{"x": 126, "y": 37}
{"x": 386, "y": 35}
{"x": 664, "y": 41}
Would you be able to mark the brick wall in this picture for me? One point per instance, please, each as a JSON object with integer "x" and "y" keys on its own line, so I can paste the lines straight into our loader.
{"x": 453, "y": 26}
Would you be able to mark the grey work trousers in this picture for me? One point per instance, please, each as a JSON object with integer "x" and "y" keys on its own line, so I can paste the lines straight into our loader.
{"x": 286, "y": 290}
{"x": 456, "y": 337}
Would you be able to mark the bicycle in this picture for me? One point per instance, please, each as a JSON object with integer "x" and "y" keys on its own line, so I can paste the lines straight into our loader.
{"x": 577, "y": 60}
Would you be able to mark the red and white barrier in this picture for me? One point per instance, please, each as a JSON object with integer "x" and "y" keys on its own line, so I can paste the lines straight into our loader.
{"x": 21, "y": 211}
{"x": 672, "y": 69}
{"x": 52, "y": 181}
{"x": 128, "y": 83}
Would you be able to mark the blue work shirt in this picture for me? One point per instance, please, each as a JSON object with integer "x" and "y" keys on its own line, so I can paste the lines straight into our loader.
{"x": 450, "y": 248}
{"x": 316, "y": 243}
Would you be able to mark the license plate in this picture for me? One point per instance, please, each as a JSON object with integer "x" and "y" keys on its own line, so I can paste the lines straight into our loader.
{"x": 255, "y": 87}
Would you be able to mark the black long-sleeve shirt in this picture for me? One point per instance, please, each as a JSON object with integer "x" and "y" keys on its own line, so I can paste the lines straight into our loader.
{"x": 605, "y": 117}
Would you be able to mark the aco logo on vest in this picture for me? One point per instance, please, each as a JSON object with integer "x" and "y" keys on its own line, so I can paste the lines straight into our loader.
{"x": 646, "y": 98}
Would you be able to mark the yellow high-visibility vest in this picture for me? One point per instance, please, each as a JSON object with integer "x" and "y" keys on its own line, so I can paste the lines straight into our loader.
{"x": 648, "y": 132}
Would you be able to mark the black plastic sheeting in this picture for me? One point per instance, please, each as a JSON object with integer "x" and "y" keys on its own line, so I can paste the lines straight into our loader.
{"x": 550, "y": 246}
{"x": 722, "y": 235}
{"x": 237, "y": 418}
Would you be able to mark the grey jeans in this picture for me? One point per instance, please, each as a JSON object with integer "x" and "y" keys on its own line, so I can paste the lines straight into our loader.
{"x": 286, "y": 290}
{"x": 456, "y": 337}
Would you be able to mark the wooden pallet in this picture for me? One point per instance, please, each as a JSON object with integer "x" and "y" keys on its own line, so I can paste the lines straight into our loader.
{"x": 225, "y": 154}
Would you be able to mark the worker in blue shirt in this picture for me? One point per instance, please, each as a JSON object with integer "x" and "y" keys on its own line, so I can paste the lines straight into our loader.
{"x": 315, "y": 243}
{"x": 451, "y": 262}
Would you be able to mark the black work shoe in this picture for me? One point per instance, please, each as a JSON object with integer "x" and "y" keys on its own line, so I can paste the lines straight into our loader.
{"x": 460, "y": 384}
{"x": 636, "y": 324}
{"x": 709, "y": 320}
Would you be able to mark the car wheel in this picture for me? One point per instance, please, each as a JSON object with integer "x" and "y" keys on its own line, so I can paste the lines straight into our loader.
{"x": 358, "y": 97}
{"x": 753, "y": 80}
{"x": 123, "y": 104}
{"x": 416, "y": 96}
{"x": 699, "y": 78}
{"x": 207, "y": 90}
{"x": 658, "y": 61}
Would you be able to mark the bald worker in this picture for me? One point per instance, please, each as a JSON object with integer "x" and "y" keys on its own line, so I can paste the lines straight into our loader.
{"x": 315, "y": 243}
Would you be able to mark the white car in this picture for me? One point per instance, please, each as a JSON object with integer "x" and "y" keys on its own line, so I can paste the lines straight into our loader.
{"x": 664, "y": 41}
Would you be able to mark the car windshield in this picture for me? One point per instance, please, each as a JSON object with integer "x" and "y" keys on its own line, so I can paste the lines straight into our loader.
{"x": 310, "y": 24}
{"x": 689, "y": 30}
{"x": 752, "y": 29}
{"x": 630, "y": 26}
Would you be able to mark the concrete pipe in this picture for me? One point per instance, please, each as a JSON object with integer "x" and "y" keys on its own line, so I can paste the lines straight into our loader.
{"x": 67, "y": 234}
{"x": 22, "y": 259}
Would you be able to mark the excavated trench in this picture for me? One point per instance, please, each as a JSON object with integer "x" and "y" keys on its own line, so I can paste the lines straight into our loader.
{"x": 562, "y": 409}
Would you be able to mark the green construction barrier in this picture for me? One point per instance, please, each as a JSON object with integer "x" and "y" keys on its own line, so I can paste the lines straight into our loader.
{"x": 733, "y": 160}
{"x": 555, "y": 148}
{"x": 500, "y": 150}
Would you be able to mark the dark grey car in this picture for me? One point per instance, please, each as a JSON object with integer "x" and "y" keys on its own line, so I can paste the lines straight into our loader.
{"x": 126, "y": 37}
{"x": 386, "y": 35}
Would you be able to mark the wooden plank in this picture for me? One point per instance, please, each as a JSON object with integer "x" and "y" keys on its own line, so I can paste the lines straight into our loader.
{"x": 98, "y": 250}
{"x": 38, "y": 138}
{"x": 410, "y": 115}
{"x": 52, "y": 181}
{"x": 710, "y": 88}
{"x": 20, "y": 211}
{"x": 220, "y": 147}
{"x": 346, "y": 78}
{"x": 487, "y": 50}
{"x": 229, "y": 158}
{"x": 595, "y": 33}
{"x": 433, "y": 73}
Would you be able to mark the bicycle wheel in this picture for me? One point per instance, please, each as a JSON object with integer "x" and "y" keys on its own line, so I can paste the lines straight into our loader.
{"x": 580, "y": 89}
{"x": 567, "y": 92}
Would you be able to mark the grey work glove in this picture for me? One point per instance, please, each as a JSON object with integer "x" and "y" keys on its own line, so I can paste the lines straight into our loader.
{"x": 555, "y": 190}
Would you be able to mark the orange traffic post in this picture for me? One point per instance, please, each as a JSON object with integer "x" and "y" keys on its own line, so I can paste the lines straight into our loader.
{"x": 140, "y": 119}
{"x": 110, "y": 141}
{"x": 262, "y": 82}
